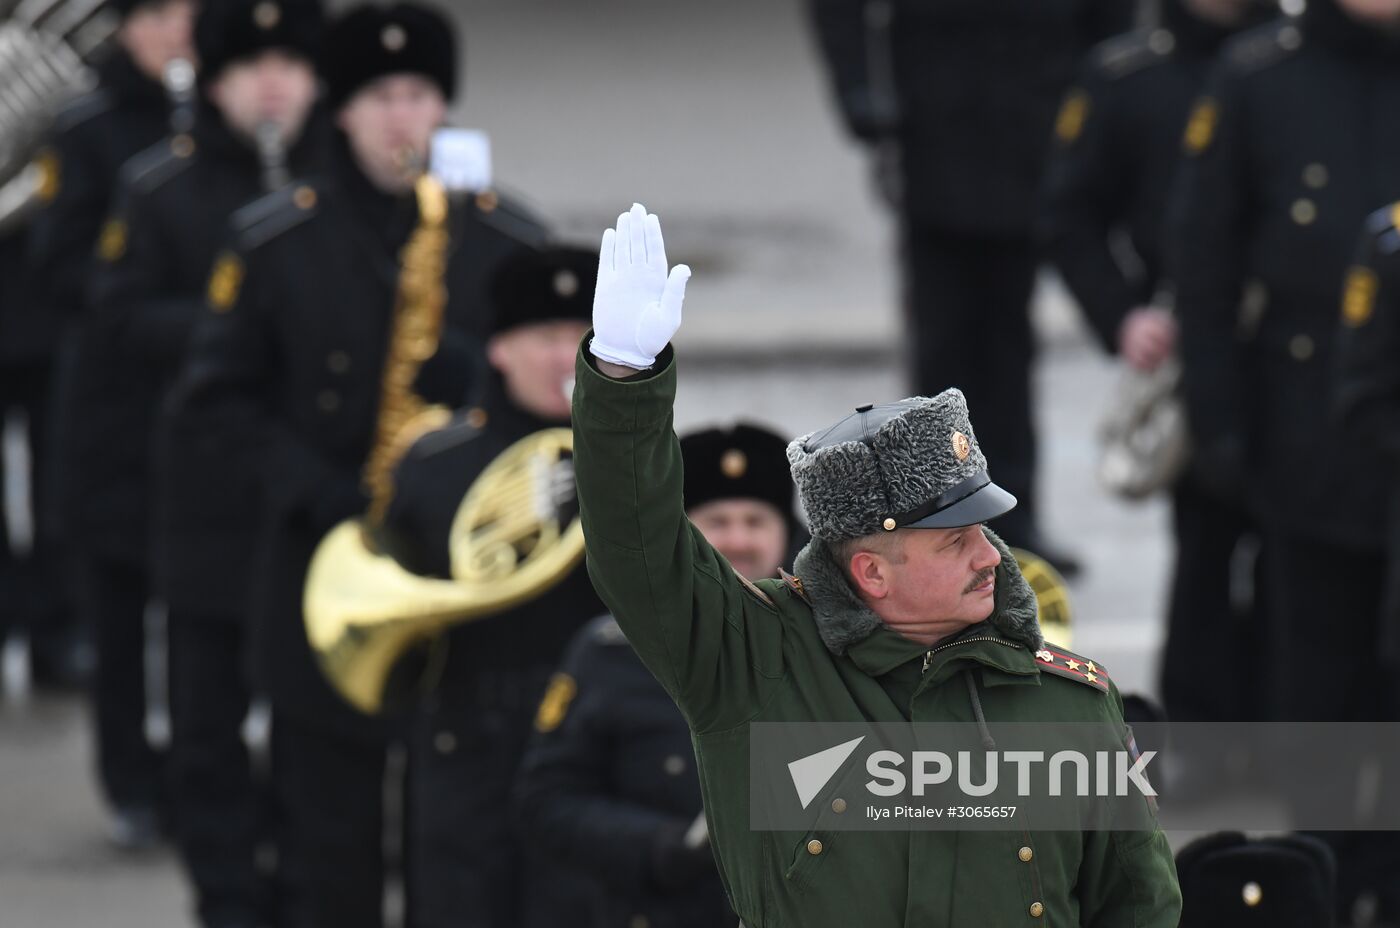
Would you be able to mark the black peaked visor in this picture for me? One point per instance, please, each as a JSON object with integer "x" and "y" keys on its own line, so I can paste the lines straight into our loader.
{"x": 969, "y": 502}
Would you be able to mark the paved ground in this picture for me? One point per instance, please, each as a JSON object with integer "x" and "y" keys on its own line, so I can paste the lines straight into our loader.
{"x": 715, "y": 116}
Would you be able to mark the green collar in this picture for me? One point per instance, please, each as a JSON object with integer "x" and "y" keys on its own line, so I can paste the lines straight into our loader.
{"x": 884, "y": 649}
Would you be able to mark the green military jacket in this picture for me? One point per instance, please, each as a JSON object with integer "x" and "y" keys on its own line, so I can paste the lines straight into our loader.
{"x": 731, "y": 653}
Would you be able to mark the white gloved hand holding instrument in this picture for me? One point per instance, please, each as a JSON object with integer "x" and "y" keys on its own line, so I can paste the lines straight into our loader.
{"x": 637, "y": 304}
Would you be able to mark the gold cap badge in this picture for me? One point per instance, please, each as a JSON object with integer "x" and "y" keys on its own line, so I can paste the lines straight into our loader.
{"x": 733, "y": 463}
{"x": 962, "y": 447}
{"x": 565, "y": 283}
{"x": 267, "y": 15}
{"x": 393, "y": 38}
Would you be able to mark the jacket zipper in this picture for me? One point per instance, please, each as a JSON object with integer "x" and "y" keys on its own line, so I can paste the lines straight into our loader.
{"x": 928, "y": 655}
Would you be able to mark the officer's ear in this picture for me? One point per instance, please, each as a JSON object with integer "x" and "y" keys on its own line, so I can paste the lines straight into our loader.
{"x": 870, "y": 574}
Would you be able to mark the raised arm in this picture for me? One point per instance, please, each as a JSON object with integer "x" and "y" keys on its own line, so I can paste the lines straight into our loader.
{"x": 711, "y": 642}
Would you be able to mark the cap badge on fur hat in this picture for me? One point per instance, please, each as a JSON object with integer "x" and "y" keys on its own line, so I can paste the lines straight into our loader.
{"x": 733, "y": 463}
{"x": 566, "y": 283}
{"x": 910, "y": 464}
{"x": 393, "y": 37}
{"x": 267, "y": 15}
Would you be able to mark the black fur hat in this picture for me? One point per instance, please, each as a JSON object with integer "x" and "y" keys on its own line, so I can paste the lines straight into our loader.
{"x": 1231, "y": 881}
{"x": 745, "y": 461}
{"x": 542, "y": 286}
{"x": 228, "y": 30}
{"x": 371, "y": 41}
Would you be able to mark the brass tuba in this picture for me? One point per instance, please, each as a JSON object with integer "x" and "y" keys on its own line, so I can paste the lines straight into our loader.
{"x": 513, "y": 536}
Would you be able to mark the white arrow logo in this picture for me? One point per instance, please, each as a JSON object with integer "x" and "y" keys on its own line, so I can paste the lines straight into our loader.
{"x": 811, "y": 773}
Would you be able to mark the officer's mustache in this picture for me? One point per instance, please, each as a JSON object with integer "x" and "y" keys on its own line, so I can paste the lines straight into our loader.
{"x": 981, "y": 578}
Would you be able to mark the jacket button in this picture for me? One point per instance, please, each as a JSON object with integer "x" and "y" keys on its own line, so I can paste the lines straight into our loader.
{"x": 1025, "y": 854}
{"x": 1301, "y": 347}
{"x": 674, "y": 765}
{"x": 328, "y": 401}
{"x": 337, "y": 362}
{"x": 838, "y": 806}
{"x": 638, "y": 921}
{"x": 814, "y": 847}
{"x": 1303, "y": 211}
{"x": 1037, "y": 910}
{"x": 445, "y": 742}
{"x": 476, "y": 417}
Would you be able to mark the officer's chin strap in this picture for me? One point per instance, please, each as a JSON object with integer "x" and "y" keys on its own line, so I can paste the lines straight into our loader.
{"x": 987, "y": 741}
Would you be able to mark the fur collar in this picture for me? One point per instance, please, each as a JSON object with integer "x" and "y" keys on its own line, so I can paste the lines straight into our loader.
{"x": 843, "y": 620}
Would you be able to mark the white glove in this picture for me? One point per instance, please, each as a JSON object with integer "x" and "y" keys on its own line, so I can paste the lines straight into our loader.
{"x": 637, "y": 305}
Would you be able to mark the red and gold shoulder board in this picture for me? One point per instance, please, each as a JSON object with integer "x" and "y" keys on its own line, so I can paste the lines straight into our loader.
{"x": 1054, "y": 659}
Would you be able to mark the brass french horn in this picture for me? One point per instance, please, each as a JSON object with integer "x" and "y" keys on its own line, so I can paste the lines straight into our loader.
{"x": 511, "y": 540}
{"x": 516, "y": 532}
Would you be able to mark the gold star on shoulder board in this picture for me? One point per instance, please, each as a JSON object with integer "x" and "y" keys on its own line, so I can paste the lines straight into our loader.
{"x": 1091, "y": 678}
{"x": 1071, "y": 663}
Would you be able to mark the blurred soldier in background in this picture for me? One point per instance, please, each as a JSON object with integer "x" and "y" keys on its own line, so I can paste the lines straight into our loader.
{"x": 103, "y": 526}
{"x": 1117, "y": 149}
{"x": 1368, "y": 382}
{"x": 466, "y": 863}
{"x": 300, "y": 361}
{"x": 1294, "y": 142}
{"x": 609, "y": 789}
{"x": 257, "y": 85}
{"x": 960, "y": 97}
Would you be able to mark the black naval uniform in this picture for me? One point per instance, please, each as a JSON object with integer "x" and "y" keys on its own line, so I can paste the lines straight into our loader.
{"x": 1295, "y": 142}
{"x": 466, "y": 863}
{"x": 33, "y": 595}
{"x": 284, "y": 377}
{"x": 1118, "y": 147}
{"x": 610, "y": 789}
{"x": 92, "y": 139}
{"x": 176, "y": 205}
{"x": 976, "y": 84}
{"x": 1367, "y": 390}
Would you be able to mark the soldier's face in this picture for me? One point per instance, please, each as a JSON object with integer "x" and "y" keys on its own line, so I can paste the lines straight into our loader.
{"x": 390, "y": 123}
{"x": 273, "y": 86}
{"x": 536, "y": 362}
{"x": 155, "y": 34}
{"x": 939, "y": 581}
{"x": 1383, "y": 13}
{"x": 751, "y": 534}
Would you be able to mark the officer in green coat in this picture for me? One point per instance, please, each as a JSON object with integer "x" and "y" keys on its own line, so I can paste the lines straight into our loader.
{"x": 904, "y": 608}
